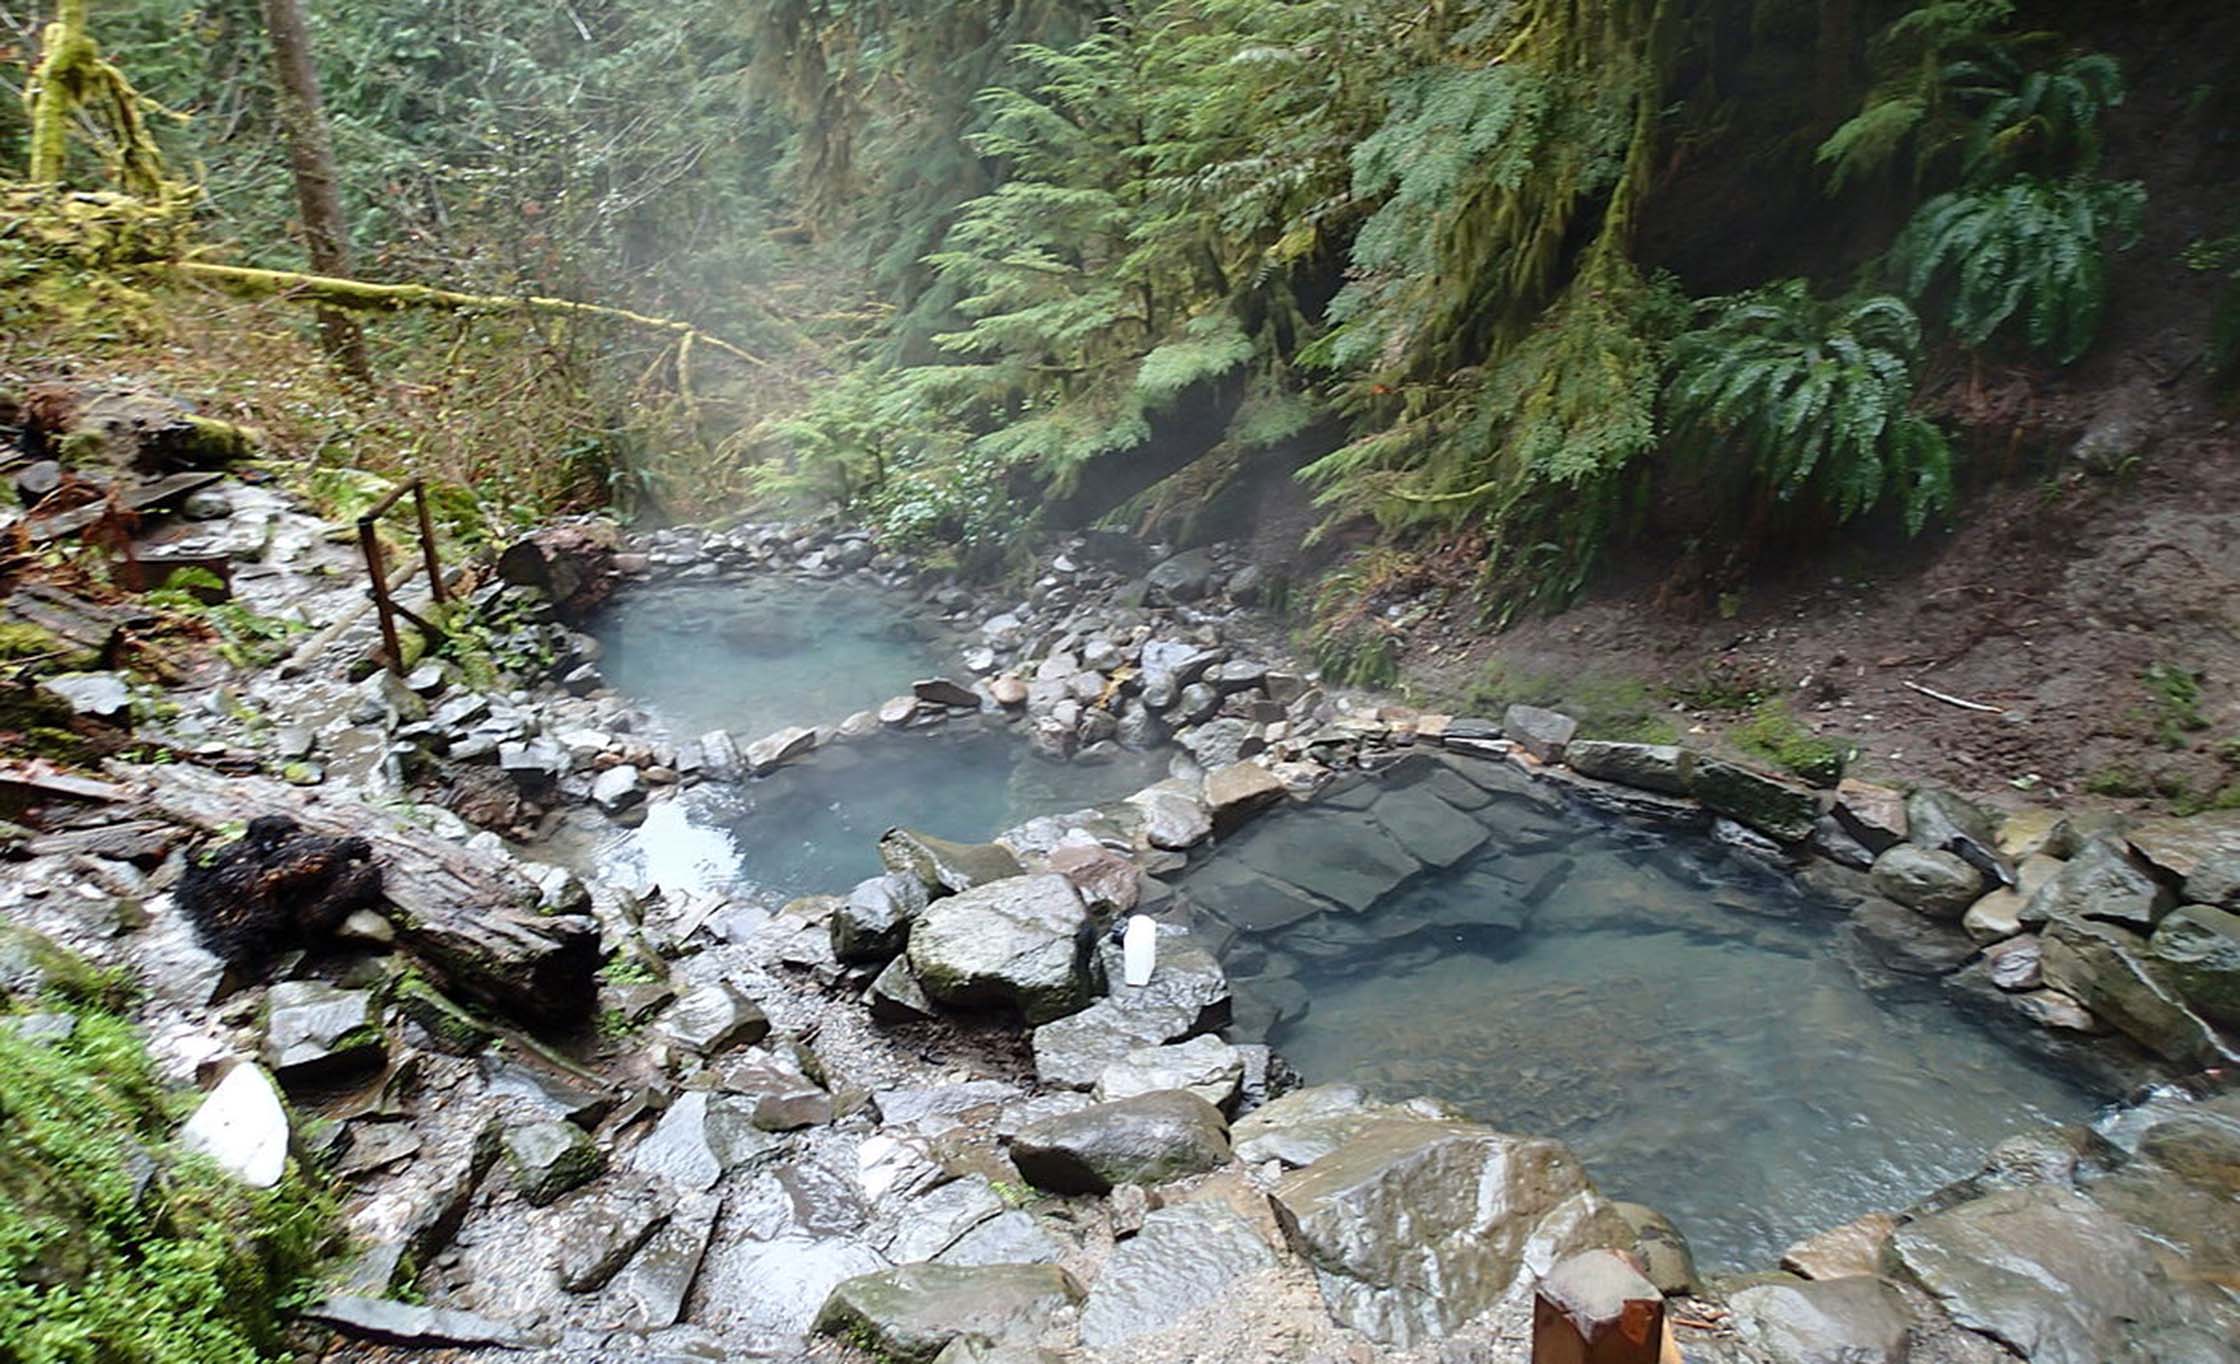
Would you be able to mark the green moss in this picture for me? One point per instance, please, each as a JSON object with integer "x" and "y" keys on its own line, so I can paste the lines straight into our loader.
{"x": 1775, "y": 735}
{"x": 1620, "y": 709}
{"x": 2175, "y": 694}
{"x": 116, "y": 1245}
{"x": 2116, "y": 780}
{"x": 21, "y": 641}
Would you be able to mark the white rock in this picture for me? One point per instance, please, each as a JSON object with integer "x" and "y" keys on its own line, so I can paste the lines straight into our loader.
{"x": 242, "y": 1127}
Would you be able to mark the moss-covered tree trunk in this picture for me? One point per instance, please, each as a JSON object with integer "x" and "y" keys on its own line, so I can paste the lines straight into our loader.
{"x": 66, "y": 50}
{"x": 326, "y": 236}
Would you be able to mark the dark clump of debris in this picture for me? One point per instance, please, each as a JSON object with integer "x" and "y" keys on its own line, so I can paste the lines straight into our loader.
{"x": 277, "y": 888}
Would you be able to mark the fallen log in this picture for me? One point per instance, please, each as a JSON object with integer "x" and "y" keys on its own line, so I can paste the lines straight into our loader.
{"x": 470, "y": 922}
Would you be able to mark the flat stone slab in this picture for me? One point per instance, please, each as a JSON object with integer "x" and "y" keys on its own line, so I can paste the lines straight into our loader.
{"x": 911, "y": 1312}
{"x": 1183, "y": 1259}
{"x": 1429, "y": 829}
{"x": 1341, "y": 857}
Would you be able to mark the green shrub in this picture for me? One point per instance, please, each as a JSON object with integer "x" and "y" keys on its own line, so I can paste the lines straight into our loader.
{"x": 2027, "y": 251}
{"x": 1818, "y": 396}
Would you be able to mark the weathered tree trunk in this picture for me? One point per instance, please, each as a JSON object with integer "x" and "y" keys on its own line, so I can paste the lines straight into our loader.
{"x": 52, "y": 83}
{"x": 326, "y": 237}
{"x": 471, "y": 923}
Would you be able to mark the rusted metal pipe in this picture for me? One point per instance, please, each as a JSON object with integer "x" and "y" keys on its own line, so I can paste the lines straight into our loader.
{"x": 382, "y": 589}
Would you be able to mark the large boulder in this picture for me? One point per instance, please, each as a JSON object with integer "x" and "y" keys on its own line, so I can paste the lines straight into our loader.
{"x": 909, "y": 1313}
{"x": 1184, "y": 1258}
{"x": 1777, "y": 808}
{"x": 1938, "y": 884}
{"x": 1173, "y": 819}
{"x": 1205, "y": 1066}
{"x": 572, "y": 564}
{"x": 1416, "y": 1226}
{"x": 1237, "y": 792}
{"x": 2101, "y": 882}
{"x": 1147, "y": 1139}
{"x": 942, "y": 866}
{"x": 1183, "y": 578}
{"x": 873, "y": 922}
{"x": 1022, "y": 943}
{"x": 1652, "y": 767}
{"x": 2197, "y": 949}
{"x": 2107, "y": 969}
{"x": 2052, "y": 1275}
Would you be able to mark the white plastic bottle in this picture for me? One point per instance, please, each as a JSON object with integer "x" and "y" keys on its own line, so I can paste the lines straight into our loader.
{"x": 1138, "y": 947}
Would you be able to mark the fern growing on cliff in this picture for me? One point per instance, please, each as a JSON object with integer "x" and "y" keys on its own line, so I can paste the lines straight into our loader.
{"x": 1819, "y": 396}
{"x": 2027, "y": 250}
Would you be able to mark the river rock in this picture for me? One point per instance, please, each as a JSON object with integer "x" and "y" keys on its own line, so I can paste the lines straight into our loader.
{"x": 784, "y": 1096}
{"x": 1778, "y": 808}
{"x": 1183, "y": 578}
{"x": 2036, "y": 832}
{"x": 1184, "y": 1258}
{"x": 1222, "y": 742}
{"x": 1169, "y": 666}
{"x": 700, "y": 1138}
{"x": 1008, "y": 1238}
{"x": 549, "y": 1158}
{"x": 1542, "y": 733}
{"x": 2015, "y": 964}
{"x": 2196, "y": 948}
{"x": 1023, "y": 943}
{"x": 873, "y": 922}
{"x": 2050, "y": 1274}
{"x": 618, "y": 789}
{"x": 1205, "y": 1066}
{"x": 1666, "y": 1258}
{"x": 1147, "y": 1139}
{"x": 2205, "y": 845}
{"x": 935, "y": 1219}
{"x": 1305, "y": 1125}
{"x": 314, "y": 1032}
{"x": 1196, "y": 704}
{"x": 942, "y": 866}
{"x": 1235, "y": 793}
{"x": 940, "y": 691}
{"x": 896, "y": 997}
{"x": 909, "y": 1313}
{"x": 1938, "y": 884}
{"x": 1999, "y": 914}
{"x": 720, "y": 758}
{"x": 1939, "y": 819}
{"x": 2101, "y": 882}
{"x": 1416, "y": 1226}
{"x": 659, "y": 1278}
{"x": 1873, "y": 815}
{"x": 1652, "y": 767}
{"x": 1840, "y": 1252}
{"x": 766, "y": 754}
{"x": 1172, "y": 818}
{"x": 1107, "y": 881}
{"x": 1856, "y": 1320}
{"x": 713, "y": 1017}
{"x": 242, "y": 1126}
{"x": 1139, "y": 729}
{"x": 604, "y": 1233}
{"x": 2104, "y": 967}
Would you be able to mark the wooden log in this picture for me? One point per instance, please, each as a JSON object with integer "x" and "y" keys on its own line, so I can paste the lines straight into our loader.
{"x": 470, "y": 922}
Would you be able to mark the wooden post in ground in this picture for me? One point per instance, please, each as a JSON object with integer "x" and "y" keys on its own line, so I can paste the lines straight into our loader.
{"x": 1597, "y": 1308}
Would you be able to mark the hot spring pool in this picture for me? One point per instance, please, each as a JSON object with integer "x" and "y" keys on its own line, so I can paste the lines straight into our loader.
{"x": 814, "y": 827}
{"x": 1688, "y": 1023}
{"x": 755, "y": 656}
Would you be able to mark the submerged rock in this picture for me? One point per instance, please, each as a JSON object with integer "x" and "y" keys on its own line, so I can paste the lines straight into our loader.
{"x": 1021, "y": 943}
{"x": 911, "y": 1312}
{"x": 1148, "y": 1139}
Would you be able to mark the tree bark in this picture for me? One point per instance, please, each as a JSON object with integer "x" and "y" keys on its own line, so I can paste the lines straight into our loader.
{"x": 326, "y": 237}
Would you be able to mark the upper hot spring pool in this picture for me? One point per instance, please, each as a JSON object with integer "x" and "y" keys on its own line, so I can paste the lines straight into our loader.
{"x": 814, "y": 827}
{"x": 755, "y": 656}
{"x": 1686, "y": 1022}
